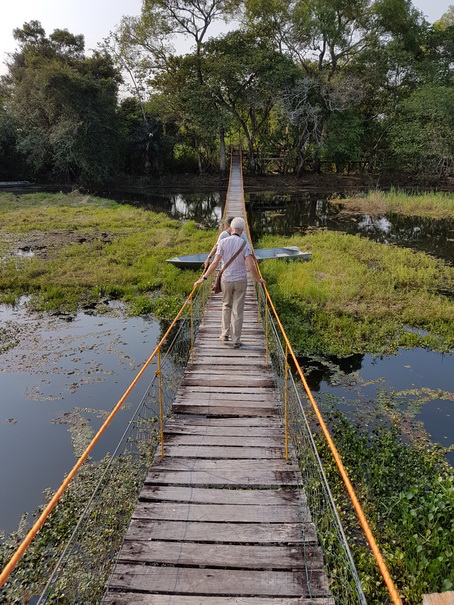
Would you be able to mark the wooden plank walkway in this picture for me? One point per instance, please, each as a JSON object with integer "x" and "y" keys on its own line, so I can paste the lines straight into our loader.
{"x": 221, "y": 519}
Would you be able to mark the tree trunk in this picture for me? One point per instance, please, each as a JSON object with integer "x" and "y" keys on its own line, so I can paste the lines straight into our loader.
{"x": 147, "y": 165}
{"x": 222, "y": 159}
{"x": 250, "y": 145}
{"x": 301, "y": 158}
{"x": 199, "y": 157}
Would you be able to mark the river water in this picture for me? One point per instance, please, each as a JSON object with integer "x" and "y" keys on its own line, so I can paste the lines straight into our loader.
{"x": 64, "y": 375}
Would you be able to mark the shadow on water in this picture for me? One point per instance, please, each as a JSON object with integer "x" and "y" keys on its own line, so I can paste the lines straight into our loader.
{"x": 273, "y": 214}
{"x": 417, "y": 382}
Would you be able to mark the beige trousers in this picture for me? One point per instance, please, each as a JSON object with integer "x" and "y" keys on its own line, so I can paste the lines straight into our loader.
{"x": 233, "y": 297}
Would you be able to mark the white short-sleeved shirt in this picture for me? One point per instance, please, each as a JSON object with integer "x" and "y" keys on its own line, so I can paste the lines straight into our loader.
{"x": 227, "y": 247}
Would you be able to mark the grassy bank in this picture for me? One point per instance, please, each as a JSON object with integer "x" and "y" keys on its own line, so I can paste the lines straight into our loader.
{"x": 437, "y": 205}
{"x": 357, "y": 296}
{"x": 89, "y": 249}
{"x": 406, "y": 490}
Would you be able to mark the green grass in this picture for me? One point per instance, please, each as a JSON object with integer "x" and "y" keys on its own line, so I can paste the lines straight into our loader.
{"x": 10, "y": 201}
{"x": 131, "y": 266}
{"x": 407, "y": 493}
{"x": 438, "y": 205}
{"x": 357, "y": 296}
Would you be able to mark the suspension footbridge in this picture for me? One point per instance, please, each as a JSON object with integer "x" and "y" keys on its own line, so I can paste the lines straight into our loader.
{"x": 221, "y": 514}
{"x": 230, "y": 502}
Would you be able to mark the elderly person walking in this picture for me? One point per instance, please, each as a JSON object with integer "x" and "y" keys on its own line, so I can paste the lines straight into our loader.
{"x": 225, "y": 233}
{"x": 234, "y": 280}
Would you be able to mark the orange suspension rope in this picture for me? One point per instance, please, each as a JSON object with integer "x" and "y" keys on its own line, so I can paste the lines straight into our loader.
{"x": 351, "y": 492}
{"x": 58, "y": 494}
{"x": 359, "y": 511}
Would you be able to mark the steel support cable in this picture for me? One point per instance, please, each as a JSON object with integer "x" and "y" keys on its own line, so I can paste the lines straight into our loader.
{"x": 58, "y": 494}
{"x": 351, "y": 492}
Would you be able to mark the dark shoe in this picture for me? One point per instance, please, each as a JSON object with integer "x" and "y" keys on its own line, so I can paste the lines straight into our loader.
{"x": 224, "y": 338}
{"x": 237, "y": 345}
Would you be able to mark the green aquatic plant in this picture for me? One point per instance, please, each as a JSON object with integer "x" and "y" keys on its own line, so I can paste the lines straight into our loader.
{"x": 357, "y": 296}
{"x": 98, "y": 249}
{"x": 407, "y": 492}
{"x": 433, "y": 204}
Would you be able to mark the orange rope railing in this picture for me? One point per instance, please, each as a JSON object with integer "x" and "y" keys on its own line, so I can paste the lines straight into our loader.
{"x": 340, "y": 465}
{"x": 58, "y": 494}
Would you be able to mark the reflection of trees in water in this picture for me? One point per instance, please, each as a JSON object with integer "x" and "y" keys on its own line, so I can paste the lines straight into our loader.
{"x": 332, "y": 370}
{"x": 426, "y": 234}
{"x": 200, "y": 207}
{"x": 203, "y": 208}
{"x": 286, "y": 214}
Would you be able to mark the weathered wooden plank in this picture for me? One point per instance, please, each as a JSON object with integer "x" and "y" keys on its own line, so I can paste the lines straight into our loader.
{"x": 251, "y": 533}
{"x": 198, "y": 451}
{"x": 134, "y": 598}
{"x": 217, "y": 581}
{"x": 219, "y": 466}
{"x": 212, "y": 325}
{"x": 226, "y": 381}
{"x": 242, "y": 556}
{"x": 221, "y": 440}
{"x": 234, "y": 431}
{"x": 225, "y": 513}
{"x": 224, "y": 394}
{"x": 247, "y": 369}
{"x": 265, "y": 423}
{"x": 256, "y": 497}
{"x": 267, "y": 478}
{"x": 224, "y": 411}
{"x": 232, "y": 389}
{"x": 210, "y": 349}
{"x": 216, "y": 406}
{"x": 217, "y": 361}
{"x": 218, "y": 399}
{"x": 439, "y": 598}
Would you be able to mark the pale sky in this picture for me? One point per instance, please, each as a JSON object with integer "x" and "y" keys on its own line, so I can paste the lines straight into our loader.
{"x": 96, "y": 18}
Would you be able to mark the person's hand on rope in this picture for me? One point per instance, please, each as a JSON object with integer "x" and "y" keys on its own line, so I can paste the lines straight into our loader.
{"x": 200, "y": 281}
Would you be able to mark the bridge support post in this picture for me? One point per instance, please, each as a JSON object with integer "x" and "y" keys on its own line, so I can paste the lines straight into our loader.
{"x": 161, "y": 411}
{"x": 286, "y": 400}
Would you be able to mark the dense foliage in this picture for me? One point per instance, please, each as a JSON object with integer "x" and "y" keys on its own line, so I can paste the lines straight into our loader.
{"x": 363, "y": 85}
{"x": 407, "y": 493}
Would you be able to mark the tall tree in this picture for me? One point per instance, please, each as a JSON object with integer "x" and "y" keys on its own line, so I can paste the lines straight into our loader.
{"x": 64, "y": 105}
{"x": 421, "y": 134}
{"x": 245, "y": 77}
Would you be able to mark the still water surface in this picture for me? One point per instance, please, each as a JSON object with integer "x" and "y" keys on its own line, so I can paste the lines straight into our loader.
{"x": 57, "y": 367}
{"x": 89, "y": 362}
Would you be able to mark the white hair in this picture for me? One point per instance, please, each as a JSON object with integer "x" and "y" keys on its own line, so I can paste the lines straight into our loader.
{"x": 238, "y": 223}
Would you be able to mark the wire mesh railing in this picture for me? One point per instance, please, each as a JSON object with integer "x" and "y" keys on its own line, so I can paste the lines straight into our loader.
{"x": 344, "y": 582}
{"x": 70, "y": 559}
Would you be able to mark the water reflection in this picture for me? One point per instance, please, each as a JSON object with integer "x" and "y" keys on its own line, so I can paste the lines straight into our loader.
{"x": 203, "y": 208}
{"x": 277, "y": 214}
{"x": 56, "y": 367}
{"x": 418, "y": 381}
